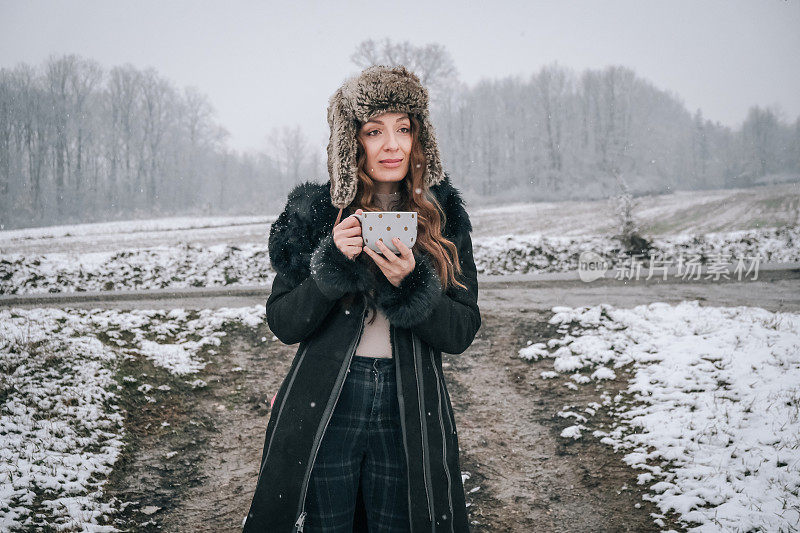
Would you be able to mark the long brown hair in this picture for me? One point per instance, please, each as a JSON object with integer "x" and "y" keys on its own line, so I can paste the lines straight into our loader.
{"x": 414, "y": 196}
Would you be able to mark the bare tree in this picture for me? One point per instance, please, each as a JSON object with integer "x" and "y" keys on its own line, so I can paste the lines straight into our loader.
{"x": 33, "y": 132}
{"x": 58, "y": 72}
{"x": 290, "y": 150}
{"x": 124, "y": 90}
{"x": 85, "y": 77}
{"x": 198, "y": 116}
{"x": 6, "y": 129}
{"x": 611, "y": 92}
{"x": 627, "y": 225}
{"x": 158, "y": 108}
{"x": 700, "y": 149}
{"x": 551, "y": 88}
{"x": 761, "y": 137}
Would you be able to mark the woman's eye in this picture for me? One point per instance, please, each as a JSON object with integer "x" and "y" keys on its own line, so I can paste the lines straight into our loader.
{"x": 370, "y": 133}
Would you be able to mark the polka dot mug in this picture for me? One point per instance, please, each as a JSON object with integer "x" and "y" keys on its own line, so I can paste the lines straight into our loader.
{"x": 383, "y": 225}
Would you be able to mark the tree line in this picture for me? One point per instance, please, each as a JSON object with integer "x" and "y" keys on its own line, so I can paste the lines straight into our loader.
{"x": 560, "y": 135}
{"x": 79, "y": 143}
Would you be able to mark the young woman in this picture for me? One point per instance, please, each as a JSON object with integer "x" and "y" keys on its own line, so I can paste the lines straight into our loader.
{"x": 361, "y": 436}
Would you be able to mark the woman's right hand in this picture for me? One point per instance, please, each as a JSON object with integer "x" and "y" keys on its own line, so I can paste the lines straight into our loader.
{"x": 347, "y": 236}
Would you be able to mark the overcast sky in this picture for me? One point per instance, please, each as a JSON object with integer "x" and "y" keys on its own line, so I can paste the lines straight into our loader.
{"x": 266, "y": 64}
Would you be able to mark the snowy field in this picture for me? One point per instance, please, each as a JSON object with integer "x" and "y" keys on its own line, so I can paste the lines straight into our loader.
{"x": 762, "y": 223}
{"x": 135, "y": 234}
{"x": 61, "y": 426}
{"x": 711, "y": 414}
{"x": 658, "y": 215}
{"x": 188, "y": 265}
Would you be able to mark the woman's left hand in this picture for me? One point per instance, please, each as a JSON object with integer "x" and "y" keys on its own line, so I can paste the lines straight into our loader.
{"x": 394, "y": 267}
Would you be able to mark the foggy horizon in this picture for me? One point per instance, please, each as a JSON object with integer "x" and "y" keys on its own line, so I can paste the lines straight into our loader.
{"x": 234, "y": 54}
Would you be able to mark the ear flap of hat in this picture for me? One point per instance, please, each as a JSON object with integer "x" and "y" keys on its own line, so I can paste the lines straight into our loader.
{"x": 427, "y": 139}
{"x": 341, "y": 150}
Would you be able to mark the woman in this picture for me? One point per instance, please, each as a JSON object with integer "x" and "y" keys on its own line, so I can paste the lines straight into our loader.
{"x": 362, "y": 431}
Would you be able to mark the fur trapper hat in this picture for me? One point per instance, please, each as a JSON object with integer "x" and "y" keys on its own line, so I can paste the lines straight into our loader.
{"x": 378, "y": 89}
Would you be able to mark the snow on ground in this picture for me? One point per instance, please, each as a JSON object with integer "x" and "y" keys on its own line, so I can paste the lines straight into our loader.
{"x": 61, "y": 428}
{"x": 157, "y": 268}
{"x": 534, "y": 253}
{"x": 663, "y": 214}
{"x": 711, "y": 414}
{"x": 127, "y": 226}
{"x": 187, "y": 265}
{"x": 137, "y": 234}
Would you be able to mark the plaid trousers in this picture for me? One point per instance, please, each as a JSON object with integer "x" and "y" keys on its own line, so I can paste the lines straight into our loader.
{"x": 362, "y": 443}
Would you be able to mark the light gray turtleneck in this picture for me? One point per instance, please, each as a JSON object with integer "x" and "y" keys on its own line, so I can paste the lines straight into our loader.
{"x": 375, "y": 338}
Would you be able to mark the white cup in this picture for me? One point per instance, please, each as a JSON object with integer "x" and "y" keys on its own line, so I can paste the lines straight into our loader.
{"x": 384, "y": 225}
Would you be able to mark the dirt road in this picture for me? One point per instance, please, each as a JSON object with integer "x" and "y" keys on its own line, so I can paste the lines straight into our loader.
{"x": 522, "y": 475}
{"x": 774, "y": 288}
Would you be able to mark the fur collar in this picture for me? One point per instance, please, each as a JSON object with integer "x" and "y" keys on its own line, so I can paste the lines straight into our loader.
{"x": 309, "y": 216}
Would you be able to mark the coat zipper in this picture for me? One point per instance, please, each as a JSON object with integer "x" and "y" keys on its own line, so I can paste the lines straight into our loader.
{"x": 450, "y": 418}
{"x": 301, "y": 518}
{"x": 444, "y": 438}
{"x": 424, "y": 426}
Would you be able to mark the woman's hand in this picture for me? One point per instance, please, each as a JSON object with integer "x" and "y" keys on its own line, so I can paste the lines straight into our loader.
{"x": 347, "y": 236}
{"x": 394, "y": 267}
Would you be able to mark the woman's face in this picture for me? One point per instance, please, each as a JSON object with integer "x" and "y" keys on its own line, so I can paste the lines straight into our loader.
{"x": 386, "y": 140}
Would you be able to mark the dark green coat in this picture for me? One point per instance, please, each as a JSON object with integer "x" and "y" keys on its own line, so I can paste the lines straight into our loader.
{"x": 304, "y": 307}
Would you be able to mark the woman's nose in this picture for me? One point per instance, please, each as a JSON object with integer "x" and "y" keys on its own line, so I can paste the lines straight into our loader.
{"x": 391, "y": 142}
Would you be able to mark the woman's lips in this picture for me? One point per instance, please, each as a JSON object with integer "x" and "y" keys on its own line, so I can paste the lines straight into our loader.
{"x": 391, "y": 163}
